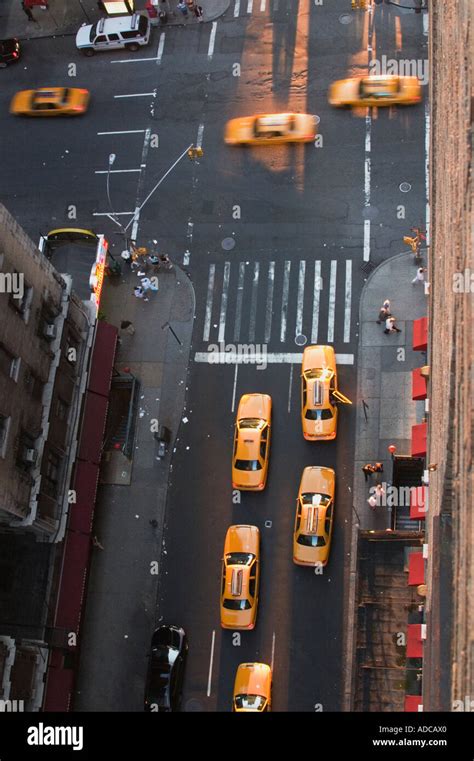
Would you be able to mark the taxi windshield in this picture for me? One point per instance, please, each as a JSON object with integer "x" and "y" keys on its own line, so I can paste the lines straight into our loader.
{"x": 254, "y": 702}
{"x": 239, "y": 558}
{"x": 313, "y": 498}
{"x": 251, "y": 422}
{"x": 325, "y": 414}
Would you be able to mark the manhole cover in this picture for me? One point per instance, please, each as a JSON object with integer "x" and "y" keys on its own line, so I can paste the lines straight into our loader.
{"x": 405, "y": 187}
{"x": 370, "y": 212}
{"x": 345, "y": 18}
{"x": 228, "y": 244}
{"x": 193, "y": 705}
{"x": 367, "y": 267}
{"x": 300, "y": 340}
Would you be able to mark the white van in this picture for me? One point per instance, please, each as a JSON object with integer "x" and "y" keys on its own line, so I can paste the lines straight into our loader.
{"x": 128, "y": 32}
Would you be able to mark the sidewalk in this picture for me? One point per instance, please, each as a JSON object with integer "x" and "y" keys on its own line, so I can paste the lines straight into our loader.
{"x": 384, "y": 363}
{"x": 120, "y": 608}
{"x": 64, "y": 17}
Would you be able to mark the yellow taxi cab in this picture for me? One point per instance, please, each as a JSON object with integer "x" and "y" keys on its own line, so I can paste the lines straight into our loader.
{"x": 385, "y": 90}
{"x": 319, "y": 393}
{"x": 252, "y": 688}
{"x": 50, "y": 101}
{"x": 240, "y": 577}
{"x": 314, "y": 516}
{"x": 252, "y": 442}
{"x": 271, "y": 129}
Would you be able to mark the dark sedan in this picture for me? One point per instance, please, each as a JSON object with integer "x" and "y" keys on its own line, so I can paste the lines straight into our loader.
{"x": 166, "y": 669}
{"x": 9, "y": 52}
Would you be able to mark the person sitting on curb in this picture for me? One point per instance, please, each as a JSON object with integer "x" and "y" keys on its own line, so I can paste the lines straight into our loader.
{"x": 369, "y": 469}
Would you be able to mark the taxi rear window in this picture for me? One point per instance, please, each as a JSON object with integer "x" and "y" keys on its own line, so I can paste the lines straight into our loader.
{"x": 248, "y": 465}
{"x": 310, "y": 540}
{"x": 325, "y": 414}
{"x": 236, "y": 604}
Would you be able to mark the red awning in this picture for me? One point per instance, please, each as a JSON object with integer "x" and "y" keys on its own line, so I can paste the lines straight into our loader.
{"x": 103, "y": 359}
{"x": 59, "y": 684}
{"x": 416, "y": 569}
{"x": 414, "y": 641}
{"x": 85, "y": 485}
{"x": 418, "y": 502}
{"x": 412, "y": 702}
{"x": 93, "y": 427}
{"x": 418, "y": 384}
{"x": 418, "y": 440}
{"x": 420, "y": 334}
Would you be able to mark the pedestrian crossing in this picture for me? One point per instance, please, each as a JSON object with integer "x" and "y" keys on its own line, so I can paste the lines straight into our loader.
{"x": 277, "y": 303}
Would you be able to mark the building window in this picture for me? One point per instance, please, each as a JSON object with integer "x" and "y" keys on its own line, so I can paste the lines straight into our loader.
{"x": 51, "y": 474}
{"x": 9, "y": 364}
{"x": 27, "y": 455}
{"x": 62, "y": 409}
{"x": 21, "y": 295}
{"x": 4, "y": 430}
{"x": 34, "y": 385}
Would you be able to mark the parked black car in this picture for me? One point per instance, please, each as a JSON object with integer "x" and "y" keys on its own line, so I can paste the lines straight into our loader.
{"x": 164, "y": 679}
{"x": 9, "y": 52}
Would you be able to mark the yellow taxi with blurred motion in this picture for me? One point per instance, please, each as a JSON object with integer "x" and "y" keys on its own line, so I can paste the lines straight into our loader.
{"x": 50, "y": 101}
{"x": 314, "y": 516}
{"x": 240, "y": 577}
{"x": 319, "y": 393}
{"x": 271, "y": 129}
{"x": 252, "y": 442}
{"x": 385, "y": 90}
{"x": 252, "y": 688}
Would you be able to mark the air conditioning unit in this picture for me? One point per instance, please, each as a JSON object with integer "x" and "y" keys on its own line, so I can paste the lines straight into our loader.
{"x": 29, "y": 455}
{"x": 49, "y": 331}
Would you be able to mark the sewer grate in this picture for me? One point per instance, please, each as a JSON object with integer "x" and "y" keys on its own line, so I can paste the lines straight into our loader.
{"x": 367, "y": 267}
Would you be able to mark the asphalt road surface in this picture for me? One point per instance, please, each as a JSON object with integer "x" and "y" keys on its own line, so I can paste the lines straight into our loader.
{"x": 256, "y": 229}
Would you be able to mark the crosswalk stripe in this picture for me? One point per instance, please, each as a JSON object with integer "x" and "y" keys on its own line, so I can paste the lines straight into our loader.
{"x": 210, "y": 298}
{"x": 223, "y": 313}
{"x": 284, "y": 301}
{"x": 236, "y": 8}
{"x": 240, "y": 296}
{"x": 262, "y": 5}
{"x": 316, "y": 293}
{"x": 249, "y": 6}
{"x": 347, "y": 302}
{"x": 300, "y": 300}
{"x": 253, "y": 358}
{"x": 269, "y": 309}
{"x": 253, "y": 302}
{"x": 332, "y": 301}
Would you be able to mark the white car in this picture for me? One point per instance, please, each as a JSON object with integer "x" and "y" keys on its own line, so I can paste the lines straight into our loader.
{"x": 130, "y": 32}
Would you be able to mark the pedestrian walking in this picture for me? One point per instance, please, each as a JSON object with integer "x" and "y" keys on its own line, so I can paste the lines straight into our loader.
{"x": 375, "y": 498}
{"x": 149, "y": 285}
{"x": 182, "y": 8}
{"x": 420, "y": 275}
{"x": 128, "y": 327}
{"x": 28, "y": 12}
{"x": 384, "y": 312}
{"x": 390, "y": 326}
{"x": 198, "y": 13}
{"x": 369, "y": 469}
{"x": 139, "y": 292}
{"x": 190, "y": 5}
{"x": 96, "y": 543}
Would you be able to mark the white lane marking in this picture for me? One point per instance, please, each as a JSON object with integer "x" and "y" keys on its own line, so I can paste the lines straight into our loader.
{"x": 240, "y": 296}
{"x": 272, "y": 358}
{"x": 262, "y": 5}
{"x": 213, "y": 642}
{"x": 200, "y": 136}
{"x": 300, "y": 299}
{"x": 332, "y": 301}
{"x": 136, "y": 218}
{"x": 367, "y": 180}
{"x": 368, "y": 124}
{"x": 253, "y": 302}
{"x": 235, "y": 386}
{"x": 189, "y": 234}
{"x": 236, "y": 8}
{"x": 134, "y": 60}
{"x": 116, "y": 213}
{"x": 425, "y": 24}
{"x": 212, "y": 40}
{"x": 318, "y": 286}
{"x": 210, "y": 297}
{"x": 224, "y": 298}
{"x": 161, "y": 45}
{"x": 347, "y": 302}
{"x": 136, "y": 95}
{"x": 290, "y": 384}
{"x": 273, "y": 651}
{"x": 123, "y": 132}
{"x": 186, "y": 257}
{"x": 427, "y": 171}
{"x": 116, "y": 171}
{"x": 269, "y": 307}
{"x": 284, "y": 300}
{"x": 366, "y": 240}
{"x": 249, "y": 6}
